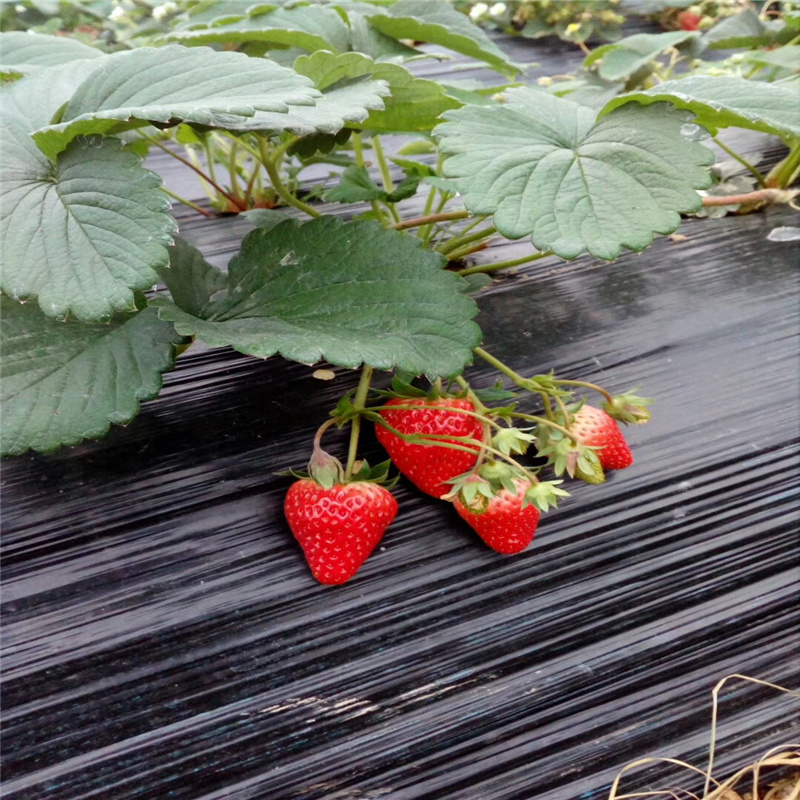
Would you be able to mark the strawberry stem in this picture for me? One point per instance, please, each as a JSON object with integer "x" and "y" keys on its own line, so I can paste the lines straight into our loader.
{"x": 321, "y": 430}
{"x": 564, "y": 411}
{"x": 191, "y": 166}
{"x": 355, "y": 425}
{"x": 586, "y": 385}
{"x": 278, "y": 185}
{"x": 417, "y": 221}
{"x": 548, "y": 408}
{"x": 544, "y": 421}
{"x": 457, "y": 242}
{"x": 498, "y": 265}
{"x": 523, "y": 383}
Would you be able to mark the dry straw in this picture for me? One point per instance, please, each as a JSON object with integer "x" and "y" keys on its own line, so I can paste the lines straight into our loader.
{"x": 785, "y": 756}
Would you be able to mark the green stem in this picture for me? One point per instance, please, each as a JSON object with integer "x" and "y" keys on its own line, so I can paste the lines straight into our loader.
{"x": 355, "y": 424}
{"x": 499, "y": 365}
{"x": 564, "y": 411}
{"x": 210, "y": 194}
{"x": 457, "y": 242}
{"x": 358, "y": 149}
{"x": 186, "y": 202}
{"x": 392, "y": 211}
{"x": 771, "y": 195}
{"x": 278, "y": 185}
{"x": 386, "y": 177}
{"x": 243, "y": 144}
{"x": 544, "y": 421}
{"x": 514, "y": 262}
{"x": 191, "y": 166}
{"x": 469, "y": 249}
{"x": 785, "y": 173}
{"x": 548, "y": 408}
{"x": 233, "y": 169}
{"x": 209, "y": 157}
{"x": 321, "y": 430}
{"x": 429, "y": 218}
{"x": 586, "y": 385}
{"x": 426, "y": 211}
{"x": 743, "y": 161}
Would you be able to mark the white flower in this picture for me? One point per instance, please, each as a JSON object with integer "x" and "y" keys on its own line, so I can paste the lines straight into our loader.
{"x": 497, "y": 10}
{"x": 478, "y": 10}
{"x": 162, "y": 11}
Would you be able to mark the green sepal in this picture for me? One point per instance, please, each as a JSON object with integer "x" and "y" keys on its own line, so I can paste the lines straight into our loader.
{"x": 325, "y": 469}
{"x": 512, "y": 440}
{"x": 494, "y": 394}
{"x": 589, "y": 469}
{"x": 629, "y": 408}
{"x": 544, "y": 495}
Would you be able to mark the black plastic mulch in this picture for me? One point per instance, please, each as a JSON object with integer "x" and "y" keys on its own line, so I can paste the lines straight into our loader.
{"x": 163, "y": 637}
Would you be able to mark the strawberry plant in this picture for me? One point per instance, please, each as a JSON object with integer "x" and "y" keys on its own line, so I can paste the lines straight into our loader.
{"x": 100, "y": 294}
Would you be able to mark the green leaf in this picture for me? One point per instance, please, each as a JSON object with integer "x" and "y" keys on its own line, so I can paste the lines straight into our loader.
{"x": 26, "y": 52}
{"x": 544, "y": 166}
{"x": 212, "y": 12}
{"x": 34, "y": 99}
{"x": 173, "y": 84}
{"x": 437, "y": 22}
{"x": 191, "y": 281}
{"x": 350, "y": 102}
{"x": 346, "y": 292}
{"x": 785, "y": 58}
{"x": 722, "y": 102}
{"x": 265, "y": 218}
{"x": 586, "y": 89}
{"x": 746, "y": 29}
{"x": 355, "y": 186}
{"x": 311, "y": 27}
{"x": 414, "y": 104}
{"x": 307, "y": 146}
{"x": 371, "y": 42}
{"x": 620, "y": 60}
{"x": 81, "y": 234}
{"x": 67, "y": 381}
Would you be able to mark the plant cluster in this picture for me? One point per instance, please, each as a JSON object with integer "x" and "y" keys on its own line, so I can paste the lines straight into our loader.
{"x": 248, "y": 96}
{"x": 454, "y": 447}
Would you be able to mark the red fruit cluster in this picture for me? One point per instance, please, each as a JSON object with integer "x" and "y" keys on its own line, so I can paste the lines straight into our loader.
{"x": 429, "y": 467}
{"x": 339, "y": 522}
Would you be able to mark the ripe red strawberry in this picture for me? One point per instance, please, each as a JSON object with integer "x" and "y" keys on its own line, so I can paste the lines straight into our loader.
{"x": 429, "y": 468}
{"x": 501, "y": 521}
{"x": 594, "y": 428}
{"x": 339, "y": 527}
{"x": 689, "y": 20}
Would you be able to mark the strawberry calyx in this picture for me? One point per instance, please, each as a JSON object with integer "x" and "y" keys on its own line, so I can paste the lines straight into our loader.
{"x": 512, "y": 441}
{"x": 568, "y": 456}
{"x": 628, "y": 408}
{"x": 477, "y": 489}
